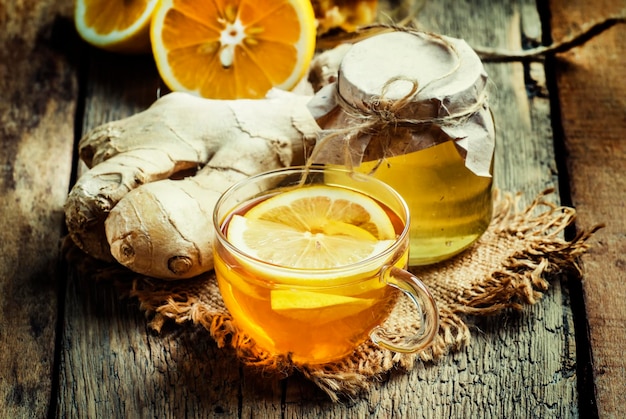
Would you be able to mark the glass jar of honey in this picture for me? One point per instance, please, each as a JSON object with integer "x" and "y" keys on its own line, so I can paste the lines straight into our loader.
{"x": 411, "y": 108}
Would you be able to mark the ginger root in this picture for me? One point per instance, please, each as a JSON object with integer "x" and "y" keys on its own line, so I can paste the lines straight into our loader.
{"x": 128, "y": 207}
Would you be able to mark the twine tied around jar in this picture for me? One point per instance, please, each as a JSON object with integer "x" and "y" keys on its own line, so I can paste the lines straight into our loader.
{"x": 382, "y": 123}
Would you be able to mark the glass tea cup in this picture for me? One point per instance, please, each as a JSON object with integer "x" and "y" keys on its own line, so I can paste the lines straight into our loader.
{"x": 316, "y": 314}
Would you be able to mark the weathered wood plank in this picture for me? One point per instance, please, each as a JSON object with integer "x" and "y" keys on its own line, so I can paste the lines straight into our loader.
{"x": 38, "y": 90}
{"x": 519, "y": 365}
{"x": 591, "y": 93}
{"x": 113, "y": 364}
{"x": 110, "y": 360}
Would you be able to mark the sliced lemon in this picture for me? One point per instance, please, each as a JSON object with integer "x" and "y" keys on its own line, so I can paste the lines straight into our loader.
{"x": 329, "y": 209}
{"x": 230, "y": 49}
{"x": 322, "y": 233}
{"x": 282, "y": 245}
{"x": 297, "y": 305}
{"x": 115, "y": 25}
{"x": 232, "y": 302}
{"x": 316, "y": 227}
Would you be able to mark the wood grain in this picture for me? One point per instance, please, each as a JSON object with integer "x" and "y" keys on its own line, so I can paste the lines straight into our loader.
{"x": 110, "y": 364}
{"x": 592, "y": 97}
{"x": 38, "y": 91}
{"x": 518, "y": 362}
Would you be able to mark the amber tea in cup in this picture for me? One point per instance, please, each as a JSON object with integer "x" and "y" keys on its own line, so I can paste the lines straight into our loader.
{"x": 309, "y": 262}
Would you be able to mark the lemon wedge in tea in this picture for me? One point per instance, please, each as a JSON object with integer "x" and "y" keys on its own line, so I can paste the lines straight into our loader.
{"x": 328, "y": 307}
{"x": 314, "y": 227}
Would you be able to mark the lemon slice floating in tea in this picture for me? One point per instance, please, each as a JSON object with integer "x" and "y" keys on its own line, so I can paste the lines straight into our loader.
{"x": 313, "y": 227}
{"x": 328, "y": 307}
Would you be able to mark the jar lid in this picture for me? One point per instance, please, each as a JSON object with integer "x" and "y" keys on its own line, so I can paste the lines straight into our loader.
{"x": 405, "y": 91}
{"x": 448, "y": 75}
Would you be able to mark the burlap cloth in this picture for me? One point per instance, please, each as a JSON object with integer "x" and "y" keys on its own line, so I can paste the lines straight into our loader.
{"x": 510, "y": 266}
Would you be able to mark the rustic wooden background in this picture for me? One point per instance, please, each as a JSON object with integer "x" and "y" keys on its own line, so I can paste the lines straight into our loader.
{"x": 70, "y": 347}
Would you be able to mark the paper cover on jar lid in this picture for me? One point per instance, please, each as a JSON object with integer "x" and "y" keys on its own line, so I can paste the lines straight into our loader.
{"x": 405, "y": 91}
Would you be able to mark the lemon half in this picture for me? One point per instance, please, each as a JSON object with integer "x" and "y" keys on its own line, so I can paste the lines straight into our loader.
{"x": 115, "y": 25}
{"x": 231, "y": 49}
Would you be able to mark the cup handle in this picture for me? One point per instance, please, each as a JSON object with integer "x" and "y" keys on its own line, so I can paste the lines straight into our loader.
{"x": 428, "y": 314}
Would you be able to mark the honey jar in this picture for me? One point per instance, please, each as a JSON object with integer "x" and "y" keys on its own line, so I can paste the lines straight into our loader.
{"x": 411, "y": 108}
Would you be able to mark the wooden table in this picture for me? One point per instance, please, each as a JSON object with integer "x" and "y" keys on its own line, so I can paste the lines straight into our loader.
{"x": 69, "y": 347}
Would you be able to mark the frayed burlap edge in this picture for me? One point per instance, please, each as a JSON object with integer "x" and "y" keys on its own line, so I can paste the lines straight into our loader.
{"x": 508, "y": 267}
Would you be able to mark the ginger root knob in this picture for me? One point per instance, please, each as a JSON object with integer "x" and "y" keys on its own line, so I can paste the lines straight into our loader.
{"x": 179, "y": 265}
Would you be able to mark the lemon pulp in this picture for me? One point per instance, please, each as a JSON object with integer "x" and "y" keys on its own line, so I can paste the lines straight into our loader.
{"x": 313, "y": 227}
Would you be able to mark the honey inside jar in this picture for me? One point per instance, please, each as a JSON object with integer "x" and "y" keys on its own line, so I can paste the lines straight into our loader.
{"x": 450, "y": 206}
